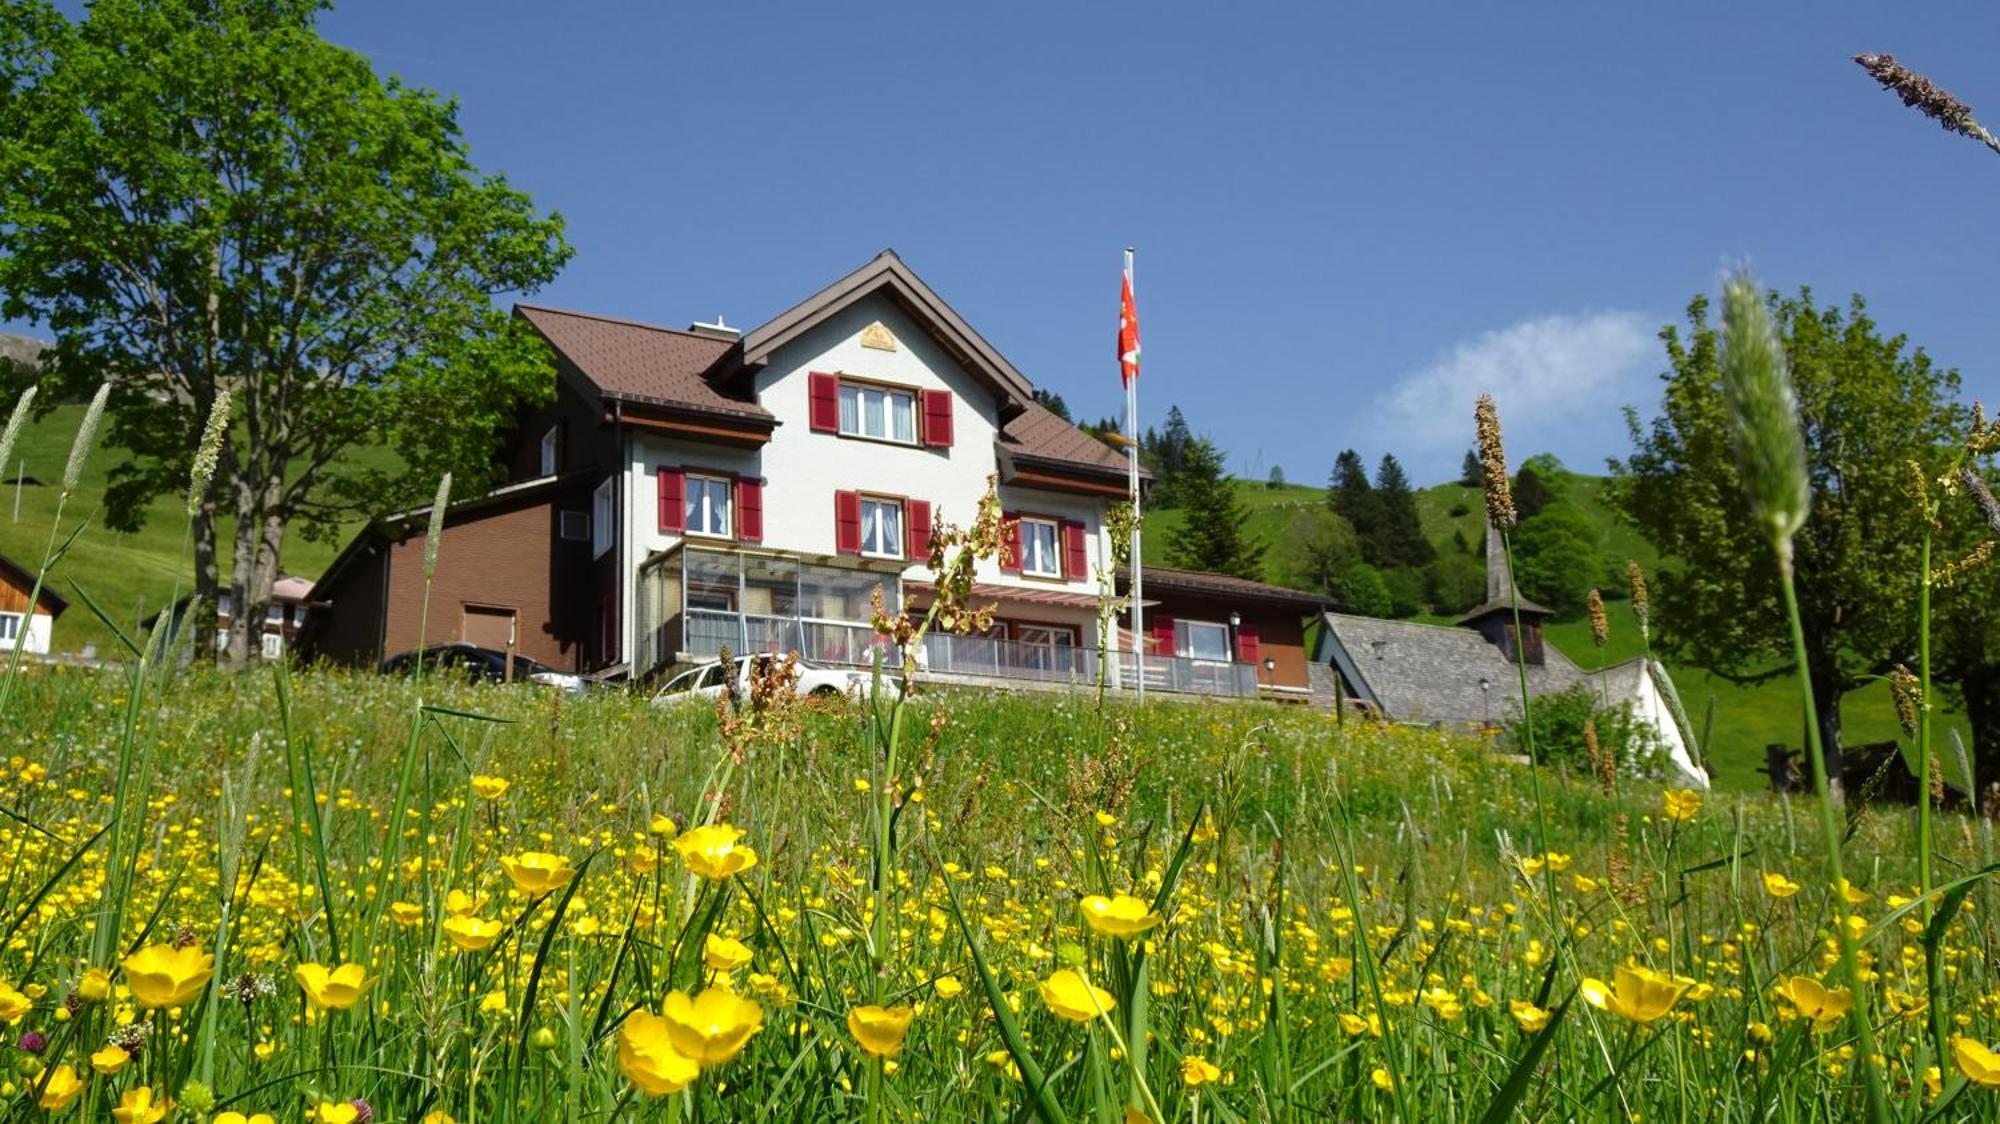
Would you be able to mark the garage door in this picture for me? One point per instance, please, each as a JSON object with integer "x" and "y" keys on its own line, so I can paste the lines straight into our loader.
{"x": 488, "y": 626}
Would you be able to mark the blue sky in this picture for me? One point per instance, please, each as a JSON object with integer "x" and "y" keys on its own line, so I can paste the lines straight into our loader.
{"x": 1350, "y": 218}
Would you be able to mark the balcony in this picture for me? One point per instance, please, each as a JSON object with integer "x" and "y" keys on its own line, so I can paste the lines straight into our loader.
{"x": 981, "y": 657}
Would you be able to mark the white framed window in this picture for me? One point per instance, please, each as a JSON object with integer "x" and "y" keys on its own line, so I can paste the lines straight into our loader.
{"x": 602, "y": 512}
{"x": 1041, "y": 548}
{"x": 273, "y": 645}
{"x": 881, "y": 412}
{"x": 708, "y": 507}
{"x": 550, "y": 441}
{"x": 1046, "y": 647}
{"x": 274, "y": 614}
{"x": 1202, "y": 640}
{"x": 881, "y": 528}
{"x": 10, "y": 627}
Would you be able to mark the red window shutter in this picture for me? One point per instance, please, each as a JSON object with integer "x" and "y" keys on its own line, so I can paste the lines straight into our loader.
{"x": 847, "y": 522}
{"x": 937, "y": 418}
{"x": 749, "y": 509}
{"x": 823, "y": 402}
{"x": 918, "y": 513}
{"x": 1010, "y": 553}
{"x": 1162, "y": 629}
{"x": 1246, "y": 643}
{"x": 1076, "y": 556}
{"x": 673, "y": 500}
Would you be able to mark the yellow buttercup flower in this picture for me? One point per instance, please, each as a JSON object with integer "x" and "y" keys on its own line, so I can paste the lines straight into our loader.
{"x": 63, "y": 1086}
{"x": 164, "y": 976}
{"x": 334, "y": 989}
{"x": 94, "y": 986}
{"x": 1119, "y": 916}
{"x": 647, "y": 1058}
{"x": 1196, "y": 1070}
{"x": 472, "y": 933}
{"x": 880, "y": 1030}
{"x": 110, "y": 1059}
{"x": 137, "y": 1106}
{"x": 1813, "y": 1000}
{"x": 14, "y": 1006}
{"x": 1381, "y": 1079}
{"x": 1779, "y": 886}
{"x": 336, "y": 1112}
{"x": 489, "y": 787}
{"x": 713, "y": 852}
{"x": 1639, "y": 994}
{"x": 1980, "y": 1065}
{"x": 724, "y": 954}
{"x": 234, "y": 1117}
{"x": 1527, "y": 1016}
{"x": 1074, "y": 998}
{"x": 1680, "y": 804}
{"x": 947, "y": 988}
{"x": 712, "y": 1027}
{"x": 406, "y": 913}
{"x": 438, "y": 1116}
{"x": 458, "y": 903}
{"x": 1852, "y": 894}
{"x": 538, "y": 872}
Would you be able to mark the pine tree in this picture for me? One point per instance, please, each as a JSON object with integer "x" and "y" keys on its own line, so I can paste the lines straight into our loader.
{"x": 1398, "y": 537}
{"x": 1349, "y": 493}
{"x": 1052, "y": 402}
{"x": 1212, "y": 537}
{"x": 1470, "y": 473}
{"x": 1277, "y": 479}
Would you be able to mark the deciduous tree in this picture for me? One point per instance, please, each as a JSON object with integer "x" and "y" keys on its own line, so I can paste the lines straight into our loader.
{"x": 1870, "y": 404}
{"x": 205, "y": 198}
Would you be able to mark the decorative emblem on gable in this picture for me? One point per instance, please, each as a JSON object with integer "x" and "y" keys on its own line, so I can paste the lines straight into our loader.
{"x": 879, "y": 337}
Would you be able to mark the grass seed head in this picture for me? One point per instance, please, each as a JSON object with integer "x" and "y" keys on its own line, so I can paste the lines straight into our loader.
{"x": 1600, "y": 623}
{"x": 1493, "y": 465}
{"x": 86, "y": 438}
{"x": 1764, "y": 416}
{"x": 15, "y": 421}
{"x": 209, "y": 453}
{"x": 1982, "y": 496}
{"x": 436, "y": 530}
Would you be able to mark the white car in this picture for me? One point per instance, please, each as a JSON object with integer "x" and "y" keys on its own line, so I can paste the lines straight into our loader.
{"x": 705, "y": 681}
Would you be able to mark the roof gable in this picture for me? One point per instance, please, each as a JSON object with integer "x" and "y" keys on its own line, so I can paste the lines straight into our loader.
{"x": 885, "y": 273}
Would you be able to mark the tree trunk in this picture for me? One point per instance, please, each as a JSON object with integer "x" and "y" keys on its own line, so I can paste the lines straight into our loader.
{"x": 1828, "y": 687}
{"x": 1982, "y": 708}
{"x": 200, "y": 614}
{"x": 260, "y": 534}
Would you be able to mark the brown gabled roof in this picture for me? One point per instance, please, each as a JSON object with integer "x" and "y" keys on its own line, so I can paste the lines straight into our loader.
{"x": 885, "y": 272}
{"x": 1163, "y": 579}
{"x": 1042, "y": 435}
{"x": 629, "y": 361}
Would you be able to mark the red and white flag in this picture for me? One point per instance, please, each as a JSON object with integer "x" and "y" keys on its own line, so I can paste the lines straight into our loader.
{"x": 1128, "y": 334}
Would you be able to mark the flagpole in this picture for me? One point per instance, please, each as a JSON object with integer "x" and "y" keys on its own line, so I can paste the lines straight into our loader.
{"x": 1132, "y": 467}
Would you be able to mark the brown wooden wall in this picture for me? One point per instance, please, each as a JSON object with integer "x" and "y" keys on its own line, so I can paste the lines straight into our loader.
{"x": 1280, "y": 629}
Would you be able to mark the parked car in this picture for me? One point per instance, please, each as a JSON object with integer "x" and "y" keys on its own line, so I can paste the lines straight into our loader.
{"x": 483, "y": 665}
{"x": 705, "y": 681}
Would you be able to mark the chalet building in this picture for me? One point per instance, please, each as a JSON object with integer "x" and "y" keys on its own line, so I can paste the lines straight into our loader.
{"x": 1468, "y": 674}
{"x": 693, "y": 489}
{"x": 16, "y": 584}
{"x": 284, "y": 616}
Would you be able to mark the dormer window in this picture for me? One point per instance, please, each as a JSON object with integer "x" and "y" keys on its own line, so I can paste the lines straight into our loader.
{"x": 881, "y": 412}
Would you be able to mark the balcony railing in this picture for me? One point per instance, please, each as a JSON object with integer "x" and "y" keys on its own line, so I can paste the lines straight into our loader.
{"x": 705, "y": 632}
{"x": 946, "y": 654}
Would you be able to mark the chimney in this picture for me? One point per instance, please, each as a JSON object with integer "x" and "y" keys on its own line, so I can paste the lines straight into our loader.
{"x": 715, "y": 331}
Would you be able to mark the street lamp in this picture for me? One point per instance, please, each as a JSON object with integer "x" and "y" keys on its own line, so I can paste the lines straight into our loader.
{"x": 1485, "y": 714}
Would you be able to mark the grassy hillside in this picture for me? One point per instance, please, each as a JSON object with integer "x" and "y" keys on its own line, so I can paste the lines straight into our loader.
{"x": 129, "y": 575}
{"x": 1744, "y": 720}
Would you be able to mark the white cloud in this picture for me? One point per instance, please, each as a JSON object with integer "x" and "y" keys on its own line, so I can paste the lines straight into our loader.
{"x": 1560, "y": 382}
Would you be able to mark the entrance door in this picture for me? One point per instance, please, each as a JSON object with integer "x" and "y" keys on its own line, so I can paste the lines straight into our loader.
{"x": 488, "y": 626}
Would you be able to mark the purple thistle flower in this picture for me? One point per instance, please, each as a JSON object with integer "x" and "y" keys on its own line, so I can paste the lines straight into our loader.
{"x": 33, "y": 1042}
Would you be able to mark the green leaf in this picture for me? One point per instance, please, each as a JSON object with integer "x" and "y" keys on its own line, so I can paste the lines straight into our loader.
{"x": 1523, "y": 1074}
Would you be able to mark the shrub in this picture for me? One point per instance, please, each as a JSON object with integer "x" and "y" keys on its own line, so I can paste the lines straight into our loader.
{"x": 1559, "y": 736}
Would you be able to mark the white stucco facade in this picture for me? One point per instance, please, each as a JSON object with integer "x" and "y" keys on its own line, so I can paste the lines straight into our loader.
{"x": 802, "y": 469}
